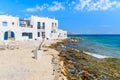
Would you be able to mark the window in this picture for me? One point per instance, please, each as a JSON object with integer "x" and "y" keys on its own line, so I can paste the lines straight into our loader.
{"x": 43, "y": 34}
{"x": 55, "y": 24}
{"x": 28, "y": 23}
{"x": 13, "y": 23}
{"x": 64, "y": 34}
{"x": 21, "y": 23}
{"x": 43, "y": 26}
{"x": 4, "y": 23}
{"x": 38, "y": 34}
{"x": 29, "y": 35}
{"x": 54, "y": 31}
{"x": 52, "y": 24}
{"x": 38, "y": 25}
{"x": 24, "y": 34}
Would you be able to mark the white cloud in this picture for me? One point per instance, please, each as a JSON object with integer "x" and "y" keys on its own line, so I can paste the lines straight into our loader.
{"x": 73, "y": 2}
{"x": 118, "y": 5}
{"x": 57, "y": 6}
{"x": 30, "y": 9}
{"x": 79, "y": 5}
{"x": 91, "y": 5}
{"x": 82, "y": 4}
{"x": 37, "y": 8}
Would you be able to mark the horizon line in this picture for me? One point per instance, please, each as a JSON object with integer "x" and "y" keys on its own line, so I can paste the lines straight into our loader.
{"x": 93, "y": 34}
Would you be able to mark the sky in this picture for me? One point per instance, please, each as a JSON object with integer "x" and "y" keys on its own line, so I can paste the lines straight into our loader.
{"x": 75, "y": 16}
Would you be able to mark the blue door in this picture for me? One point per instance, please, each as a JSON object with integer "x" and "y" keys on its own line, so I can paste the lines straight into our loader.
{"x": 9, "y": 34}
{"x": 6, "y": 36}
{"x": 12, "y": 35}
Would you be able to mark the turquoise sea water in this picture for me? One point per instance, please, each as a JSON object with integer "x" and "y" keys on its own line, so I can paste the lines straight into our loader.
{"x": 107, "y": 45}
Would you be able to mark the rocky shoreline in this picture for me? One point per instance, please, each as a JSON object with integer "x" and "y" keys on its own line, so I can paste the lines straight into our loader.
{"x": 77, "y": 65}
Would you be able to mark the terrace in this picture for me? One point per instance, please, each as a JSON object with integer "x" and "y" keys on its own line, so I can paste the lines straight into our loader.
{"x": 25, "y": 23}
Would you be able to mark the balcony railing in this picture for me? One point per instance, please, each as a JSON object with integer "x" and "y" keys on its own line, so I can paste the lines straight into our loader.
{"x": 41, "y": 27}
{"x": 26, "y": 26}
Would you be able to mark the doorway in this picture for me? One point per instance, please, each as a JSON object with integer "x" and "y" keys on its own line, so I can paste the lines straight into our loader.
{"x": 9, "y": 34}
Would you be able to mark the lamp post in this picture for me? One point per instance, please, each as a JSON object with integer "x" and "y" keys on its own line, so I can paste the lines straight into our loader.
{"x": 43, "y": 39}
{"x": 39, "y": 51}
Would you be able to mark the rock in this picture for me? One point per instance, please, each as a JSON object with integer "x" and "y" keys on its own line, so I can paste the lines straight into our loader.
{"x": 86, "y": 66}
{"x": 71, "y": 71}
{"x": 97, "y": 75}
{"x": 85, "y": 75}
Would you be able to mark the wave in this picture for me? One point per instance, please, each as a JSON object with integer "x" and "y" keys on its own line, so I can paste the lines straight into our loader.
{"x": 96, "y": 55}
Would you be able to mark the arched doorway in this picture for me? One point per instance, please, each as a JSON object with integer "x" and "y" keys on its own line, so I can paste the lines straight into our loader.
{"x": 9, "y": 34}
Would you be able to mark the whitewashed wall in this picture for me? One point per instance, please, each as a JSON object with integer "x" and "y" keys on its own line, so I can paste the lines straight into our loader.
{"x": 48, "y": 25}
{"x": 33, "y": 21}
{"x": 15, "y": 28}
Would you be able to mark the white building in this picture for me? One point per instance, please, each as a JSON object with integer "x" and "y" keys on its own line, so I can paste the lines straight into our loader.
{"x": 30, "y": 28}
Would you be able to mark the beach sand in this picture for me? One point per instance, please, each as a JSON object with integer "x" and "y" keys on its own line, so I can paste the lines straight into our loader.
{"x": 19, "y": 64}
